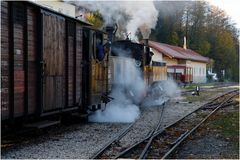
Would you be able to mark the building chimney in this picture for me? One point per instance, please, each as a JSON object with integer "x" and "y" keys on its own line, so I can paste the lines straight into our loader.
{"x": 185, "y": 43}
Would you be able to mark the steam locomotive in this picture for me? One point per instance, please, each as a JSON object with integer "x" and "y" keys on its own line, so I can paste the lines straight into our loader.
{"x": 141, "y": 56}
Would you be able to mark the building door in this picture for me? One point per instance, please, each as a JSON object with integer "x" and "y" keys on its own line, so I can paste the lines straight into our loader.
{"x": 53, "y": 61}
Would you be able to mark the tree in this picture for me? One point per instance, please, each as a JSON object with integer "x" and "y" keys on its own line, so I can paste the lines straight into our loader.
{"x": 95, "y": 18}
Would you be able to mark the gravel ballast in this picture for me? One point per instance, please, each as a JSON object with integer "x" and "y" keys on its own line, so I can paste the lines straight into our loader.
{"x": 83, "y": 140}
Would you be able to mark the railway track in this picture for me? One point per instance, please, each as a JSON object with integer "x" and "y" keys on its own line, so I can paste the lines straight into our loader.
{"x": 163, "y": 142}
{"x": 103, "y": 153}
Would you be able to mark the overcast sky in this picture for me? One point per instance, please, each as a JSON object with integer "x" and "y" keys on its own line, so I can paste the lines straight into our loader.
{"x": 232, "y": 8}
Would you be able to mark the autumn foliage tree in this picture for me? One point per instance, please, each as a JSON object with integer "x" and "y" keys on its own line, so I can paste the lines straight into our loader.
{"x": 95, "y": 18}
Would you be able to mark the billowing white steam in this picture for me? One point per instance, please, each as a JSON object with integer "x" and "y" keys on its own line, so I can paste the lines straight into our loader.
{"x": 118, "y": 110}
{"x": 170, "y": 88}
{"x": 129, "y": 15}
{"x": 128, "y": 90}
{"x": 144, "y": 16}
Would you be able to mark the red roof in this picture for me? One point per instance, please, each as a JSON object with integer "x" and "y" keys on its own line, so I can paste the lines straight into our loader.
{"x": 177, "y": 52}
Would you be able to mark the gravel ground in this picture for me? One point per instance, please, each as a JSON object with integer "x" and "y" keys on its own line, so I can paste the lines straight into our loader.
{"x": 82, "y": 141}
{"x": 147, "y": 121}
{"x": 208, "y": 147}
{"x": 175, "y": 111}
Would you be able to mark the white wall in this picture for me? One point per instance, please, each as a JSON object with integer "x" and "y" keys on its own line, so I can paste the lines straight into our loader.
{"x": 157, "y": 57}
{"x": 199, "y": 71}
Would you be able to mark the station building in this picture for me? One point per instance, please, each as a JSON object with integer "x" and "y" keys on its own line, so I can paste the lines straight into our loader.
{"x": 183, "y": 65}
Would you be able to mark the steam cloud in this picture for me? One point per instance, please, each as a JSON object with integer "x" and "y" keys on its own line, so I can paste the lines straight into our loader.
{"x": 160, "y": 92}
{"x": 129, "y": 15}
{"x": 127, "y": 91}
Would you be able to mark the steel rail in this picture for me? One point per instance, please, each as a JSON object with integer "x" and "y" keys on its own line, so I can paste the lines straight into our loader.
{"x": 196, "y": 127}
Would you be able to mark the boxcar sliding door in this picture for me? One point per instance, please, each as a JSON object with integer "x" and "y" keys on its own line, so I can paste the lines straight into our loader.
{"x": 53, "y": 50}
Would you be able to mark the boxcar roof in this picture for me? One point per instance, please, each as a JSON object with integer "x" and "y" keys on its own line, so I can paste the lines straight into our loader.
{"x": 61, "y": 14}
{"x": 177, "y": 52}
{"x": 95, "y": 29}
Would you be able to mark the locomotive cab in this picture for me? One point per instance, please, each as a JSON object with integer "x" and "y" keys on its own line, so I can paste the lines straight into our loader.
{"x": 95, "y": 68}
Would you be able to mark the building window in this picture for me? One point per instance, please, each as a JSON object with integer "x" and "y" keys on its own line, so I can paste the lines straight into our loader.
{"x": 199, "y": 70}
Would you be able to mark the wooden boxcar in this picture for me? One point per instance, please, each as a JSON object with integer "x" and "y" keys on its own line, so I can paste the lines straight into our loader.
{"x": 44, "y": 67}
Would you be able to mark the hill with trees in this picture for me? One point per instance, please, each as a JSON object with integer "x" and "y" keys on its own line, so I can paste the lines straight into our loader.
{"x": 208, "y": 29}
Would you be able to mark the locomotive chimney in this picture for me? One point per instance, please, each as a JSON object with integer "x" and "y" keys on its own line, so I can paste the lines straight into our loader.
{"x": 146, "y": 57}
{"x": 145, "y": 41}
{"x": 146, "y": 48}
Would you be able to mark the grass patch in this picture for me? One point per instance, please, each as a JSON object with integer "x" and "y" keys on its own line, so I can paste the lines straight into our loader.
{"x": 202, "y": 97}
{"x": 228, "y": 125}
{"x": 203, "y": 85}
{"x": 225, "y": 125}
